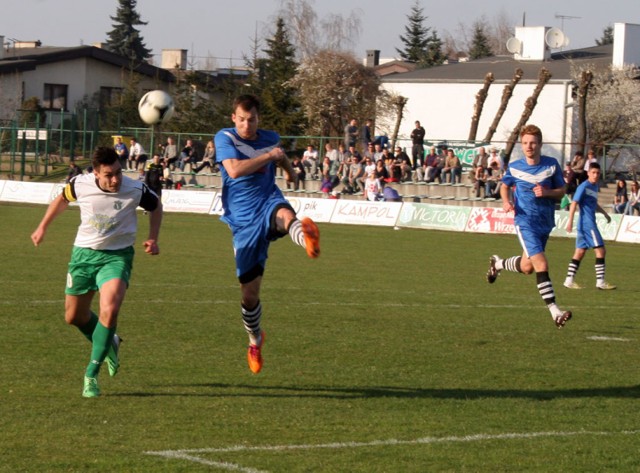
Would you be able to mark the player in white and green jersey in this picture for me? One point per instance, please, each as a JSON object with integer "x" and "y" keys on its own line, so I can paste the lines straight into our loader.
{"x": 102, "y": 254}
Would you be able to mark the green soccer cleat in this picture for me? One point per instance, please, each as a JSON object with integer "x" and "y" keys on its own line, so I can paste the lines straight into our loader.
{"x": 113, "y": 362}
{"x": 91, "y": 388}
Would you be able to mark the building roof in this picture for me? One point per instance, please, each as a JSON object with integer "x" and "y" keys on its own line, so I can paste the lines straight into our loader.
{"x": 503, "y": 67}
{"x": 23, "y": 59}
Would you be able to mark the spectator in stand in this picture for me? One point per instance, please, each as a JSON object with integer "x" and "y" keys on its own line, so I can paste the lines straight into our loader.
{"x": 355, "y": 177}
{"x": 352, "y": 151}
{"x": 621, "y": 198}
{"x": 299, "y": 173}
{"x": 481, "y": 159}
{"x": 351, "y": 134}
{"x": 405, "y": 164}
{"x": 494, "y": 156}
{"x": 368, "y": 151}
{"x": 372, "y": 187}
{"x": 417, "y": 140}
{"x": 122, "y": 151}
{"x": 634, "y": 200}
{"x": 170, "y": 154}
{"x": 493, "y": 181}
{"x": 431, "y": 165}
{"x": 310, "y": 161}
{"x": 378, "y": 152}
{"x": 569, "y": 178}
{"x": 208, "y": 159}
{"x": 367, "y": 136}
{"x": 74, "y": 170}
{"x": 137, "y": 156}
{"x": 189, "y": 155}
{"x": 577, "y": 165}
{"x": 154, "y": 175}
{"x": 591, "y": 158}
{"x": 392, "y": 167}
{"x": 369, "y": 166}
{"x": 166, "y": 176}
{"x": 480, "y": 179}
{"x": 452, "y": 168}
{"x": 381, "y": 172}
{"x": 331, "y": 153}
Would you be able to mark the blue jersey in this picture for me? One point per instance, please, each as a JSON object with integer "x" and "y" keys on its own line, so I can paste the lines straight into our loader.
{"x": 246, "y": 197}
{"x": 531, "y": 211}
{"x": 588, "y": 235}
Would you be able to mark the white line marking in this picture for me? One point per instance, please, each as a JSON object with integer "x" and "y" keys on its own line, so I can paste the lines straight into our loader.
{"x": 608, "y": 339}
{"x": 187, "y": 454}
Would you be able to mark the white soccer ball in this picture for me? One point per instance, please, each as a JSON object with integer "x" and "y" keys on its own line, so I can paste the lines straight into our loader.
{"x": 156, "y": 107}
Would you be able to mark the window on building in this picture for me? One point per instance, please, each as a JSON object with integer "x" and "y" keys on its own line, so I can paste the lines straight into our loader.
{"x": 55, "y": 96}
{"x": 110, "y": 96}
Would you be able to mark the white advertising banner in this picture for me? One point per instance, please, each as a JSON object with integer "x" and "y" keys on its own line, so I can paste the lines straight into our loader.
{"x": 318, "y": 210}
{"x": 216, "y": 207}
{"x": 187, "y": 201}
{"x": 434, "y": 216}
{"x": 629, "y": 231}
{"x": 358, "y": 212}
{"x": 31, "y": 192}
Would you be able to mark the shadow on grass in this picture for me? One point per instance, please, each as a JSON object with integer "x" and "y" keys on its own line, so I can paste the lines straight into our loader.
{"x": 336, "y": 392}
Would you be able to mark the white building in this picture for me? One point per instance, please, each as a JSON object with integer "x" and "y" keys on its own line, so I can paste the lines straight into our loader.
{"x": 443, "y": 98}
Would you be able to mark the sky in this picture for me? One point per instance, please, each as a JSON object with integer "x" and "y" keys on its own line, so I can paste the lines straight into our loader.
{"x": 226, "y": 30}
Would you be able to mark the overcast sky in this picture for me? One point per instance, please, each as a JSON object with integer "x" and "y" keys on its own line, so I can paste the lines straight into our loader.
{"x": 225, "y": 29}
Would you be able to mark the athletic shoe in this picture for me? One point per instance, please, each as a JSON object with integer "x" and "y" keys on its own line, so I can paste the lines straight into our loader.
{"x": 113, "y": 362}
{"x": 311, "y": 237}
{"x": 254, "y": 356}
{"x": 492, "y": 274}
{"x": 91, "y": 388}
{"x": 562, "y": 319}
{"x": 572, "y": 285}
{"x": 605, "y": 286}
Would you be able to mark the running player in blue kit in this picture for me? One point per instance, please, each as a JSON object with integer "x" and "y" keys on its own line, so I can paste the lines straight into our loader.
{"x": 255, "y": 209}
{"x": 588, "y": 235}
{"x": 538, "y": 185}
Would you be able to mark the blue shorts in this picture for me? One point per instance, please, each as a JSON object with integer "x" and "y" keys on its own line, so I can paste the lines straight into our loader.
{"x": 251, "y": 242}
{"x": 533, "y": 241}
{"x": 589, "y": 239}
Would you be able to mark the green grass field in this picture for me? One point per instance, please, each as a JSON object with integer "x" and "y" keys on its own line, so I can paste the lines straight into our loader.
{"x": 390, "y": 353}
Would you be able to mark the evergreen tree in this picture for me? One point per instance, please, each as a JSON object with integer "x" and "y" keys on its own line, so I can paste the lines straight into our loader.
{"x": 607, "y": 37}
{"x": 124, "y": 38}
{"x": 479, "y": 43}
{"x": 416, "y": 38}
{"x": 281, "y": 109}
{"x": 421, "y": 45}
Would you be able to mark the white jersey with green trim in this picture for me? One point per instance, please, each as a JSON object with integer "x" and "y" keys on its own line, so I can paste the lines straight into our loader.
{"x": 108, "y": 220}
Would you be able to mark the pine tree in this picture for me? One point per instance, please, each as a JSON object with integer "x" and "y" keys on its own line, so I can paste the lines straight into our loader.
{"x": 416, "y": 38}
{"x": 607, "y": 36}
{"x": 124, "y": 38}
{"x": 422, "y": 45}
{"x": 281, "y": 109}
{"x": 479, "y": 43}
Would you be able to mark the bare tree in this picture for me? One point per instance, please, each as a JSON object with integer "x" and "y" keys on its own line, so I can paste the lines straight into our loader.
{"x": 498, "y": 31}
{"x": 310, "y": 34}
{"x": 529, "y": 105}
{"x": 481, "y": 96}
{"x": 507, "y": 92}
{"x": 583, "y": 87}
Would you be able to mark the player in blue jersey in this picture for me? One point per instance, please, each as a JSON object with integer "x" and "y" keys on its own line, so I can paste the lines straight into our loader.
{"x": 255, "y": 209}
{"x": 588, "y": 235}
{"x": 538, "y": 185}
{"x": 102, "y": 256}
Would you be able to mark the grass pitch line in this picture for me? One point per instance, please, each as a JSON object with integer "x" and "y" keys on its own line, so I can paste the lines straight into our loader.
{"x": 190, "y": 454}
{"x": 608, "y": 339}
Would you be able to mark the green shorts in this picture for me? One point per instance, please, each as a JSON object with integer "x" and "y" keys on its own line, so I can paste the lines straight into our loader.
{"x": 90, "y": 269}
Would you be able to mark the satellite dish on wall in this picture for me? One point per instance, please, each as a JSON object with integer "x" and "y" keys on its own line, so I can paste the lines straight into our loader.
{"x": 514, "y": 45}
{"x": 555, "y": 38}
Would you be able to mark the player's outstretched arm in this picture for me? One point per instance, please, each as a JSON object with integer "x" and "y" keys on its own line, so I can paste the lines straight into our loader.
{"x": 603, "y": 212}
{"x": 56, "y": 207}
{"x": 155, "y": 219}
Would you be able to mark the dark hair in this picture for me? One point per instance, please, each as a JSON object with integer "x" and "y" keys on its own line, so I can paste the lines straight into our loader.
{"x": 103, "y": 155}
{"x": 594, "y": 166}
{"x": 579, "y": 153}
{"x": 246, "y": 102}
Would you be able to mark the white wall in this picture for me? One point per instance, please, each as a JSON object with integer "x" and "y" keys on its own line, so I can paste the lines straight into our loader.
{"x": 445, "y": 111}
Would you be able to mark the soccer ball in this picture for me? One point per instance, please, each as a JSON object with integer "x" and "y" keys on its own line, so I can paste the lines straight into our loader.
{"x": 155, "y": 107}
